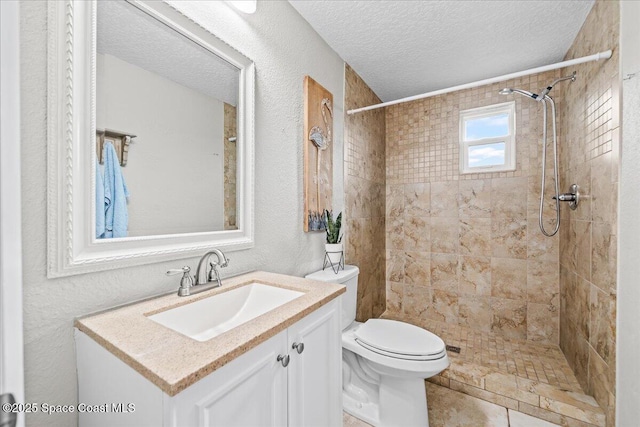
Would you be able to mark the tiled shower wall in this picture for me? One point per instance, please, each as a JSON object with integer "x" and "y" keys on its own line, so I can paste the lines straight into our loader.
{"x": 589, "y": 156}
{"x": 364, "y": 195}
{"x": 466, "y": 249}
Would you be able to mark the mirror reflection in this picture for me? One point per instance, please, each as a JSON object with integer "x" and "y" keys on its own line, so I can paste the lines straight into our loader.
{"x": 166, "y": 129}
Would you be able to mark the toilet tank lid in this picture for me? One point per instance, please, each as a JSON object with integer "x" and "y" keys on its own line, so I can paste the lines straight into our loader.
{"x": 328, "y": 275}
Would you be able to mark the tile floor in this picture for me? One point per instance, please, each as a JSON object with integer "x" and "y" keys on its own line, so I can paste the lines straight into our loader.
{"x": 525, "y": 359}
{"x": 534, "y": 379}
{"x": 448, "y": 408}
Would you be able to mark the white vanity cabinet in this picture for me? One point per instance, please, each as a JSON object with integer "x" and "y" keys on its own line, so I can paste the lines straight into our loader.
{"x": 255, "y": 389}
{"x": 249, "y": 391}
{"x": 315, "y": 375}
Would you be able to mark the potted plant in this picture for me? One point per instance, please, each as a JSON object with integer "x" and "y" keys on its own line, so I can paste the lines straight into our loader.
{"x": 333, "y": 247}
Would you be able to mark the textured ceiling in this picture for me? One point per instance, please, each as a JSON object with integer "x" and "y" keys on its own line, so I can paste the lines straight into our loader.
{"x": 133, "y": 36}
{"x": 404, "y": 48}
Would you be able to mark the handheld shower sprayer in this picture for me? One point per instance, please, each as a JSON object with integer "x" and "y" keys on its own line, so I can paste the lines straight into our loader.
{"x": 509, "y": 91}
{"x": 545, "y": 98}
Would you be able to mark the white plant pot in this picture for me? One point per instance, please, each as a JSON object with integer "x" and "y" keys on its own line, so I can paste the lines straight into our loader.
{"x": 334, "y": 251}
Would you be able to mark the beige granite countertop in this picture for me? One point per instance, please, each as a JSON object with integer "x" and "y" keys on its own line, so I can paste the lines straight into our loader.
{"x": 173, "y": 361}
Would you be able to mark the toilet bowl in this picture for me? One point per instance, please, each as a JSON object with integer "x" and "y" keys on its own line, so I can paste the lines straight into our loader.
{"x": 384, "y": 362}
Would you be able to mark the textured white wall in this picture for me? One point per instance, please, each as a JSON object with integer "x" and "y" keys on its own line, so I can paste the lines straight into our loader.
{"x": 11, "y": 343}
{"x": 177, "y": 154}
{"x": 630, "y": 36}
{"x": 628, "y": 370}
{"x": 284, "y": 48}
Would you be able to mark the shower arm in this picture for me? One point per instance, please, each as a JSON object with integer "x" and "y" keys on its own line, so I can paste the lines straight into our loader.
{"x": 546, "y": 90}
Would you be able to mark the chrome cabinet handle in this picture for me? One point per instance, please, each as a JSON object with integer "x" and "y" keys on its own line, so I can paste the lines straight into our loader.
{"x": 284, "y": 360}
{"x": 298, "y": 346}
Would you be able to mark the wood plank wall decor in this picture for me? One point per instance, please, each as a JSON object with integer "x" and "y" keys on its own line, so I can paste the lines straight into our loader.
{"x": 318, "y": 154}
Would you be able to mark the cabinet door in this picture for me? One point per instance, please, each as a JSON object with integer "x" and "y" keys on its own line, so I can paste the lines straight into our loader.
{"x": 315, "y": 389}
{"x": 249, "y": 391}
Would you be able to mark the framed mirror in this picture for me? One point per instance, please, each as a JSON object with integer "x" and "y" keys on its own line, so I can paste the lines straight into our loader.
{"x": 150, "y": 145}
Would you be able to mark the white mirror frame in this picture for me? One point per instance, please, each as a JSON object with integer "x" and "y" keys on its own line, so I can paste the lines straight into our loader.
{"x": 72, "y": 246}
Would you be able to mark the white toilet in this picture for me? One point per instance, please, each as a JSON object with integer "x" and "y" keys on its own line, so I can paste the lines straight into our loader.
{"x": 384, "y": 362}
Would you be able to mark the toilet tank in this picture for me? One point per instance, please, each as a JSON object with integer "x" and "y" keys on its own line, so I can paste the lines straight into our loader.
{"x": 347, "y": 277}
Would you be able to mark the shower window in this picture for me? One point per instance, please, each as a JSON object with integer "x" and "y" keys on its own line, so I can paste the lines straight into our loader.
{"x": 487, "y": 139}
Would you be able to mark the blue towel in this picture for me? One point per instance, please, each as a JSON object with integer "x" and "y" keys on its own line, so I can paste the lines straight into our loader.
{"x": 115, "y": 195}
{"x": 100, "y": 205}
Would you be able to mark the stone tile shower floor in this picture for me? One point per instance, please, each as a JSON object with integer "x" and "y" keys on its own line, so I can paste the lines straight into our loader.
{"x": 448, "y": 408}
{"x": 534, "y": 379}
{"x": 536, "y": 362}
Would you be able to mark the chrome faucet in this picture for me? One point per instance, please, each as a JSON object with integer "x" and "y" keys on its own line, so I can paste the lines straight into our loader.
{"x": 203, "y": 278}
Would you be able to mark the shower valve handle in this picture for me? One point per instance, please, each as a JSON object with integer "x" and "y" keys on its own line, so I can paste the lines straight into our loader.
{"x": 573, "y": 196}
{"x": 566, "y": 197}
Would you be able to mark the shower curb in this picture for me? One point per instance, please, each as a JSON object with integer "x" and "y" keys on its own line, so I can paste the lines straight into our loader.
{"x": 548, "y": 402}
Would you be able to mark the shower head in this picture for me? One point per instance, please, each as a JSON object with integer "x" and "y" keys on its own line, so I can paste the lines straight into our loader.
{"x": 509, "y": 91}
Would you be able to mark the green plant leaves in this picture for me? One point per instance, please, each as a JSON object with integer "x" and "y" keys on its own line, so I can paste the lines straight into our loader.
{"x": 333, "y": 227}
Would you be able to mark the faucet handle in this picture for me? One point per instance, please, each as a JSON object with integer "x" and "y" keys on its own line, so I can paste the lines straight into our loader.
{"x": 186, "y": 282}
{"x": 184, "y": 270}
{"x": 214, "y": 274}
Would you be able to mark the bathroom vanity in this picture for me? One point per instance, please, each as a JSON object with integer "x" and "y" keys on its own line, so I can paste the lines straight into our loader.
{"x": 279, "y": 368}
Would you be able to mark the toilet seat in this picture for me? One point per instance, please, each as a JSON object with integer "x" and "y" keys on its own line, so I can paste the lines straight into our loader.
{"x": 399, "y": 340}
{"x": 400, "y": 356}
{"x": 390, "y": 362}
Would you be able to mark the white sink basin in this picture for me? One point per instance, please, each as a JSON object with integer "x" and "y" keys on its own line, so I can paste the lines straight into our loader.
{"x": 209, "y": 317}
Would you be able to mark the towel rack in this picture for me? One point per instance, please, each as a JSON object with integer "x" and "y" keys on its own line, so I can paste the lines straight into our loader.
{"x": 120, "y": 140}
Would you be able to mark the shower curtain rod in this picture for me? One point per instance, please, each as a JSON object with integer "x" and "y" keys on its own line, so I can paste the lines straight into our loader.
{"x": 595, "y": 57}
